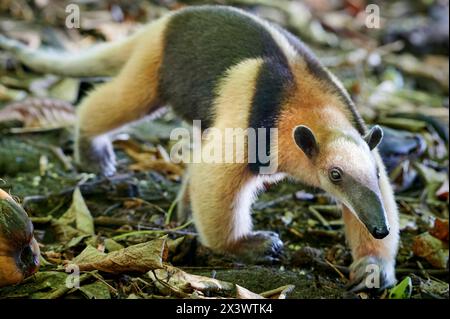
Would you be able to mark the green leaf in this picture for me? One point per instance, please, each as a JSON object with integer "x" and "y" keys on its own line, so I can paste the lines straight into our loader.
{"x": 402, "y": 290}
{"x": 96, "y": 290}
{"x": 79, "y": 214}
{"x": 40, "y": 285}
{"x": 111, "y": 245}
{"x": 76, "y": 240}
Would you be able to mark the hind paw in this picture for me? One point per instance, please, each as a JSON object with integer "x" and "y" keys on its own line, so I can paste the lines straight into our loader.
{"x": 96, "y": 155}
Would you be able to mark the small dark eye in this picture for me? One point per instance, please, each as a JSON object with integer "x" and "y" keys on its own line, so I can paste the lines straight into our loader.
{"x": 378, "y": 174}
{"x": 335, "y": 175}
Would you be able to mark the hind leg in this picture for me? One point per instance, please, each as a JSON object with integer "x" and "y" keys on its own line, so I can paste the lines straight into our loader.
{"x": 128, "y": 97}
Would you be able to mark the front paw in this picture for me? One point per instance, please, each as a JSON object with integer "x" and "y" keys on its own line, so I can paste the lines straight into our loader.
{"x": 96, "y": 155}
{"x": 371, "y": 273}
{"x": 260, "y": 247}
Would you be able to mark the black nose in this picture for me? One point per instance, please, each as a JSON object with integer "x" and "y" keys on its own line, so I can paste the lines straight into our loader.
{"x": 380, "y": 232}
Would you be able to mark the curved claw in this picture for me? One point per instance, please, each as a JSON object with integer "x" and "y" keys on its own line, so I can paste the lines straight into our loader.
{"x": 96, "y": 155}
{"x": 371, "y": 273}
{"x": 260, "y": 247}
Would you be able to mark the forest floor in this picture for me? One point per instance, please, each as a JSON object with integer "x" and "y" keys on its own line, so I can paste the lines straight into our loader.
{"x": 396, "y": 79}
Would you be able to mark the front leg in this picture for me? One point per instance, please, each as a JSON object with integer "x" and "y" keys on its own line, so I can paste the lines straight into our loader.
{"x": 374, "y": 259}
{"x": 221, "y": 196}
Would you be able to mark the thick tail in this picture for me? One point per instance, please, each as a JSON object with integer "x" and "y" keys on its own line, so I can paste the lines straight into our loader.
{"x": 101, "y": 60}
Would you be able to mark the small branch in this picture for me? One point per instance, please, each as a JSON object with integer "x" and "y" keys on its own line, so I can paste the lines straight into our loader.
{"x": 319, "y": 217}
{"x": 152, "y": 232}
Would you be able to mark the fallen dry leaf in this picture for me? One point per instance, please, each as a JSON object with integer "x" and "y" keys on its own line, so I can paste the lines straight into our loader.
{"x": 176, "y": 281}
{"x": 38, "y": 114}
{"x": 148, "y": 159}
{"x": 440, "y": 229}
{"x": 434, "y": 250}
{"x": 139, "y": 258}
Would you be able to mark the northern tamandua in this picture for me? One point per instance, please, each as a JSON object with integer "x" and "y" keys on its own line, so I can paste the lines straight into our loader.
{"x": 229, "y": 68}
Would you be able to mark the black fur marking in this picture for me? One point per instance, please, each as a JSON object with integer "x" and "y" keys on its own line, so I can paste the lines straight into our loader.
{"x": 274, "y": 82}
{"x": 200, "y": 45}
{"x": 374, "y": 137}
{"x": 306, "y": 140}
{"x": 319, "y": 71}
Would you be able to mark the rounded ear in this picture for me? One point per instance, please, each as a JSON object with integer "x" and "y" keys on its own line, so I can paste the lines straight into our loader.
{"x": 306, "y": 141}
{"x": 374, "y": 137}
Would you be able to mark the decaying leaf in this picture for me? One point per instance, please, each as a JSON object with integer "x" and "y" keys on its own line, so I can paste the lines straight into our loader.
{"x": 149, "y": 159}
{"x": 96, "y": 290}
{"x": 138, "y": 258}
{"x": 111, "y": 245}
{"x": 442, "y": 192}
{"x": 433, "y": 288}
{"x": 41, "y": 285}
{"x": 172, "y": 280}
{"x": 64, "y": 232}
{"x": 432, "y": 177}
{"x": 434, "y": 250}
{"x": 426, "y": 68}
{"x": 38, "y": 114}
{"x": 407, "y": 222}
{"x": 79, "y": 215}
{"x": 440, "y": 229}
{"x": 17, "y": 157}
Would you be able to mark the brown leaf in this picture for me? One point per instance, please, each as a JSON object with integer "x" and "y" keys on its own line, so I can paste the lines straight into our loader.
{"x": 37, "y": 114}
{"x": 440, "y": 229}
{"x": 140, "y": 258}
{"x": 442, "y": 192}
{"x": 148, "y": 159}
{"x": 432, "y": 249}
{"x": 176, "y": 281}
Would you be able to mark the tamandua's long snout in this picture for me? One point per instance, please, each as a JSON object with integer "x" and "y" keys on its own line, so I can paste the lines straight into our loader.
{"x": 380, "y": 232}
{"x": 368, "y": 207}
